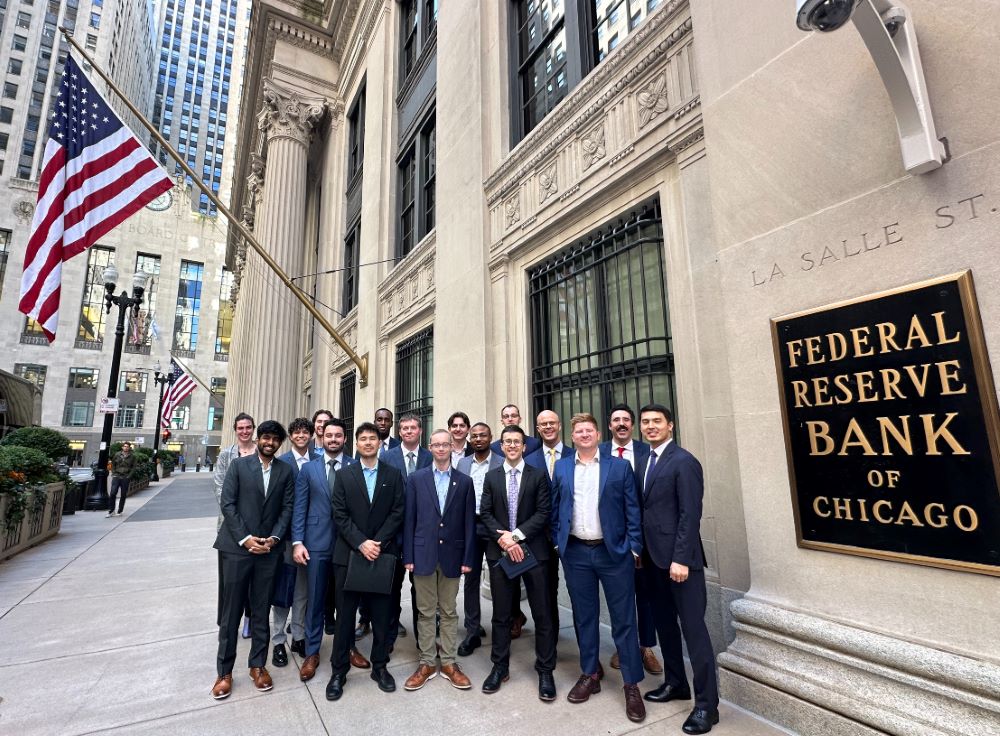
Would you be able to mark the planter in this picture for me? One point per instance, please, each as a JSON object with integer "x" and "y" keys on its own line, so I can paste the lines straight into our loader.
{"x": 71, "y": 499}
{"x": 137, "y": 484}
{"x": 36, "y": 527}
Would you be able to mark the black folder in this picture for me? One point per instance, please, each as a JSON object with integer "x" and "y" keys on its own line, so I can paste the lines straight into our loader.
{"x": 370, "y": 577}
{"x": 513, "y": 569}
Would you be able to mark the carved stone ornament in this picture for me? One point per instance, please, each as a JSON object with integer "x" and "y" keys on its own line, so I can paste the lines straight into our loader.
{"x": 653, "y": 99}
{"x": 593, "y": 147}
{"x": 24, "y": 210}
{"x": 288, "y": 114}
{"x": 512, "y": 211}
{"x": 548, "y": 184}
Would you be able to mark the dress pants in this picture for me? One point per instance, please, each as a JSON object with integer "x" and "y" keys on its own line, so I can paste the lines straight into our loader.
{"x": 588, "y": 569}
{"x": 644, "y": 610}
{"x": 685, "y": 601}
{"x": 317, "y": 574}
{"x": 437, "y": 595}
{"x": 279, "y": 615}
{"x": 246, "y": 579}
{"x": 505, "y": 592}
{"x": 397, "y": 602}
{"x": 380, "y": 607}
{"x": 118, "y": 483}
{"x": 471, "y": 591}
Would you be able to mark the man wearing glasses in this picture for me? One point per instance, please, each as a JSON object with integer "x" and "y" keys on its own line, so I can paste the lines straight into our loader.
{"x": 515, "y": 509}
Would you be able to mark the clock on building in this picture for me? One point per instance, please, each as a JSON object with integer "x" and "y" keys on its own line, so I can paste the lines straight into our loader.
{"x": 162, "y": 202}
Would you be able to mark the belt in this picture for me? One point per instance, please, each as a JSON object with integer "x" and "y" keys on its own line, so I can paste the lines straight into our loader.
{"x": 588, "y": 542}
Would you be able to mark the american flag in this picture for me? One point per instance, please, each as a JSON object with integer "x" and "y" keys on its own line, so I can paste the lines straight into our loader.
{"x": 181, "y": 384}
{"x": 95, "y": 175}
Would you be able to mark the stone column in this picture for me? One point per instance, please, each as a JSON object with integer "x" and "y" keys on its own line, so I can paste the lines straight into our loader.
{"x": 287, "y": 120}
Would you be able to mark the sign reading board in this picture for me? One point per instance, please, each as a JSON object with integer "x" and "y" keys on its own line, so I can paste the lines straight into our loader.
{"x": 891, "y": 426}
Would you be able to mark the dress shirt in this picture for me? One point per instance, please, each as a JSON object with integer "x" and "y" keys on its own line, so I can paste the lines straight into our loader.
{"x": 586, "y": 489}
{"x": 385, "y": 444}
{"x": 441, "y": 480}
{"x": 477, "y": 471}
{"x": 507, "y": 467}
{"x": 370, "y": 475}
{"x": 457, "y": 455}
{"x": 659, "y": 450}
{"x": 300, "y": 460}
{"x": 629, "y": 454}
{"x": 338, "y": 459}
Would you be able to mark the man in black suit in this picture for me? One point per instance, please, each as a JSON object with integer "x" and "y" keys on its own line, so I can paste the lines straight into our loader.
{"x": 368, "y": 505}
{"x": 673, "y": 488}
{"x": 515, "y": 509}
{"x": 257, "y": 497}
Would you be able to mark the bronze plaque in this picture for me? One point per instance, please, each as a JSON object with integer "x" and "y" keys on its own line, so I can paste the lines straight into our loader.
{"x": 891, "y": 426}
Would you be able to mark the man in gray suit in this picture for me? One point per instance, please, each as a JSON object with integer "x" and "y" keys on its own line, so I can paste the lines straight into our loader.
{"x": 257, "y": 498}
{"x": 476, "y": 466}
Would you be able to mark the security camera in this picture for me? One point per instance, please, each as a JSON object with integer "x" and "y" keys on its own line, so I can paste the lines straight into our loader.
{"x": 824, "y": 15}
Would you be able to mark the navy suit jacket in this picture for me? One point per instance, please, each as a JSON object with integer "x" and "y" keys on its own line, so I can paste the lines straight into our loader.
{"x": 312, "y": 517}
{"x": 289, "y": 457}
{"x": 537, "y": 458}
{"x": 530, "y": 445}
{"x": 397, "y": 459}
{"x": 672, "y": 502}
{"x": 246, "y": 510}
{"x": 358, "y": 519}
{"x": 432, "y": 538}
{"x": 640, "y": 450}
{"x": 617, "y": 506}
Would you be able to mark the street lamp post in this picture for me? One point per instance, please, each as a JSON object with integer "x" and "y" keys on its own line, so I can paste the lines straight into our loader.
{"x": 163, "y": 379}
{"x": 98, "y": 498}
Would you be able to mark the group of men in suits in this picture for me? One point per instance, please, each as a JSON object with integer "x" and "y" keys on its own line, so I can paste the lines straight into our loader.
{"x": 622, "y": 516}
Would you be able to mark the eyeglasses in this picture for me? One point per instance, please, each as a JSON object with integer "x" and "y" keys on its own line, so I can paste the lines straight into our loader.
{"x": 440, "y": 445}
{"x": 512, "y": 443}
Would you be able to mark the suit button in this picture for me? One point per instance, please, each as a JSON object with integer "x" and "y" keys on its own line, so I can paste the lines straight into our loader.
{"x": 442, "y": 526}
{"x": 441, "y": 541}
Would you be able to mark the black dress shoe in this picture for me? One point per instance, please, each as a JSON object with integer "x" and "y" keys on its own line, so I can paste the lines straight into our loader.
{"x": 665, "y": 693}
{"x": 298, "y": 647}
{"x": 546, "y": 687}
{"x": 481, "y": 633}
{"x": 497, "y": 676}
{"x": 335, "y": 688}
{"x": 280, "y": 657}
{"x": 385, "y": 681}
{"x": 469, "y": 645}
{"x": 701, "y": 720}
{"x": 330, "y": 628}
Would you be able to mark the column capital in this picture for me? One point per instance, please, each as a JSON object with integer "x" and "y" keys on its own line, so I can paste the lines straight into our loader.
{"x": 289, "y": 114}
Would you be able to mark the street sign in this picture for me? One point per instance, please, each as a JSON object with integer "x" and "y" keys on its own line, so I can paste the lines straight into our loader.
{"x": 140, "y": 440}
{"x": 108, "y": 405}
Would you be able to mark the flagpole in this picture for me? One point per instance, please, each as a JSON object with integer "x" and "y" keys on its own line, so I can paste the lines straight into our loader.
{"x": 361, "y": 361}
{"x": 196, "y": 377}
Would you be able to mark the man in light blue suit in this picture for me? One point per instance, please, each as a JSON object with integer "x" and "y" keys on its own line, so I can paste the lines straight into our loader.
{"x": 597, "y": 528}
{"x": 314, "y": 534}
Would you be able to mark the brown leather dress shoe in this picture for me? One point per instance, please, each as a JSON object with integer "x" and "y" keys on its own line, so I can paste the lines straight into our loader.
{"x": 650, "y": 662}
{"x": 261, "y": 679}
{"x": 615, "y": 662}
{"x": 455, "y": 676}
{"x": 519, "y": 622}
{"x": 358, "y": 660}
{"x": 635, "y": 709}
{"x": 419, "y": 678}
{"x": 308, "y": 669}
{"x": 586, "y": 686}
{"x": 223, "y": 687}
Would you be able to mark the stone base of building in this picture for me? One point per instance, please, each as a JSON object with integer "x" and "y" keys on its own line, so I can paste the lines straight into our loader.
{"x": 814, "y": 676}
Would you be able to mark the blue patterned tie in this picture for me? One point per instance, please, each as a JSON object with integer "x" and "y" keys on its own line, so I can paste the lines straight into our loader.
{"x": 512, "y": 500}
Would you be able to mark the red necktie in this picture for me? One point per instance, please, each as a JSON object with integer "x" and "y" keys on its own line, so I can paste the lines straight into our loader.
{"x": 621, "y": 452}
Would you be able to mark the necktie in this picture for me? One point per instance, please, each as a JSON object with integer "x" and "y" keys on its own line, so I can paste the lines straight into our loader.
{"x": 512, "y": 500}
{"x": 410, "y": 466}
{"x": 621, "y": 452}
{"x": 552, "y": 461}
{"x": 649, "y": 468}
{"x": 331, "y": 471}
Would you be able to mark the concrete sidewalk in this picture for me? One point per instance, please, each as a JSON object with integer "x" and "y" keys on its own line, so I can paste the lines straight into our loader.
{"x": 110, "y": 628}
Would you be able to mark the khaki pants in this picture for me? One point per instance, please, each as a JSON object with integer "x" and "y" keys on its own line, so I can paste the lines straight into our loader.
{"x": 437, "y": 593}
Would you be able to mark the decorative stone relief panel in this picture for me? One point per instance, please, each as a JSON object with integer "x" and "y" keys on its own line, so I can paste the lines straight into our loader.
{"x": 408, "y": 290}
{"x": 652, "y": 99}
{"x": 593, "y": 147}
{"x": 348, "y": 327}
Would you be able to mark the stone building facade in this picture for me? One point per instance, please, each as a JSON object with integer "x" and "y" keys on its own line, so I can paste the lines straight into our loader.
{"x": 566, "y": 205}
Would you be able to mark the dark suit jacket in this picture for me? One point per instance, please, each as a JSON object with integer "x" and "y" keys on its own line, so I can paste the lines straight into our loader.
{"x": 538, "y": 459}
{"x": 672, "y": 499}
{"x": 246, "y": 511}
{"x": 639, "y": 449}
{"x": 312, "y": 517}
{"x": 617, "y": 506}
{"x": 530, "y": 445}
{"x": 534, "y": 509}
{"x": 432, "y": 538}
{"x": 358, "y": 519}
{"x": 396, "y": 457}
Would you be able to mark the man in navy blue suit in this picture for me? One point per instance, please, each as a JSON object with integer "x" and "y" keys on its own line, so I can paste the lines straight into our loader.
{"x": 596, "y": 526}
{"x": 319, "y": 420}
{"x": 636, "y": 454}
{"x": 313, "y": 534}
{"x": 383, "y": 423}
{"x": 510, "y": 416}
{"x": 439, "y": 542}
{"x": 673, "y": 489}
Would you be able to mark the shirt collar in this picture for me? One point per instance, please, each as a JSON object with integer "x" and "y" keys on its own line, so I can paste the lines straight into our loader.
{"x": 661, "y": 447}
{"x": 629, "y": 447}
{"x": 338, "y": 458}
{"x": 300, "y": 456}
{"x": 558, "y": 448}
{"x": 438, "y": 473}
{"x": 365, "y": 468}
{"x": 519, "y": 467}
{"x": 265, "y": 468}
{"x": 580, "y": 461}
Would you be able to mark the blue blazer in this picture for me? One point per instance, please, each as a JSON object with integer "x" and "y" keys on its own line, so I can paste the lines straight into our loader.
{"x": 537, "y": 458}
{"x": 641, "y": 452}
{"x": 432, "y": 538}
{"x": 530, "y": 445}
{"x": 289, "y": 457}
{"x": 617, "y": 506}
{"x": 672, "y": 502}
{"x": 397, "y": 459}
{"x": 312, "y": 516}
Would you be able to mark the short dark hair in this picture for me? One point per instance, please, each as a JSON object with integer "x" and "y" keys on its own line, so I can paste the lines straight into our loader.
{"x": 272, "y": 426}
{"x": 382, "y": 408}
{"x": 335, "y": 422}
{"x": 320, "y": 411}
{"x": 481, "y": 424}
{"x": 300, "y": 424}
{"x": 364, "y": 427}
{"x": 458, "y": 415}
{"x": 512, "y": 429}
{"x": 621, "y": 407}
{"x": 509, "y": 406}
{"x": 659, "y": 408}
{"x": 409, "y": 417}
{"x": 240, "y": 417}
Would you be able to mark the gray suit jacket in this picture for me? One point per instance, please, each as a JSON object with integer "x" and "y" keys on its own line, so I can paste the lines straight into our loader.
{"x": 465, "y": 464}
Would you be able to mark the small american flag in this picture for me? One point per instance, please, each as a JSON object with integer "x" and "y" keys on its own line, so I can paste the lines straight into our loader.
{"x": 95, "y": 175}
{"x": 181, "y": 384}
